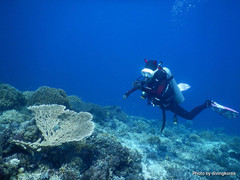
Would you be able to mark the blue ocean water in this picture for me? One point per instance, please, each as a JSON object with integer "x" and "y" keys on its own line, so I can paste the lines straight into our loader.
{"x": 95, "y": 49}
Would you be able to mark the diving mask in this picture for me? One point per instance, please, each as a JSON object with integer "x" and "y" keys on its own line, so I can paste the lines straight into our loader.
{"x": 148, "y": 73}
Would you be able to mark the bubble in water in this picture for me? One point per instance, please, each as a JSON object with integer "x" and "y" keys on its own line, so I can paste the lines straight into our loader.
{"x": 182, "y": 7}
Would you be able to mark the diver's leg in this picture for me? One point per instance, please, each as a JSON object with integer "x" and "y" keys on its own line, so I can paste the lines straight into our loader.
{"x": 185, "y": 114}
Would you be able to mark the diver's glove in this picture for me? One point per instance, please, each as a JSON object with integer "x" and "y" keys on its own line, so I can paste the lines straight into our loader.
{"x": 125, "y": 96}
{"x": 138, "y": 84}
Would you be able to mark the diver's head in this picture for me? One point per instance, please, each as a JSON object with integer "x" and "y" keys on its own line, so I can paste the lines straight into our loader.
{"x": 150, "y": 68}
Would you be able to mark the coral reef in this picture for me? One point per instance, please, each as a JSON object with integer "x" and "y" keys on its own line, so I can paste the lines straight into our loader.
{"x": 112, "y": 160}
{"x": 121, "y": 147}
{"x": 100, "y": 114}
{"x": 47, "y": 95}
{"x": 10, "y": 98}
{"x": 59, "y": 126}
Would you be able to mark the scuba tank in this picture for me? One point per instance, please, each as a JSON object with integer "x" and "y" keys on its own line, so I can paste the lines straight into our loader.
{"x": 178, "y": 96}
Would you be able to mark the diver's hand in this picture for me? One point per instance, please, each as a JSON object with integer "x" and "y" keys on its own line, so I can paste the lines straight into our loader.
{"x": 125, "y": 96}
{"x": 137, "y": 84}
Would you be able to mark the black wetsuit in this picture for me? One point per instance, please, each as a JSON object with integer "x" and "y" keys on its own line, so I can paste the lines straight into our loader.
{"x": 159, "y": 92}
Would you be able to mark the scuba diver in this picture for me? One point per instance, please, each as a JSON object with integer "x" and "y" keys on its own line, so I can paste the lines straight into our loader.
{"x": 160, "y": 89}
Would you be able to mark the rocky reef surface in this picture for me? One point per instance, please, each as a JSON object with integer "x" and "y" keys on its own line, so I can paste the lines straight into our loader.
{"x": 121, "y": 147}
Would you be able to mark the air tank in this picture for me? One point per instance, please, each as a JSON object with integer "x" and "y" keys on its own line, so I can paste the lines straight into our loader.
{"x": 178, "y": 97}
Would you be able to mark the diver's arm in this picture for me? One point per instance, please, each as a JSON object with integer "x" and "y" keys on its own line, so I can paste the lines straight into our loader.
{"x": 125, "y": 96}
{"x": 136, "y": 85}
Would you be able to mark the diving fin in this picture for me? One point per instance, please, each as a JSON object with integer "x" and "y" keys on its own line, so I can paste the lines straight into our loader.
{"x": 183, "y": 86}
{"x": 224, "y": 111}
